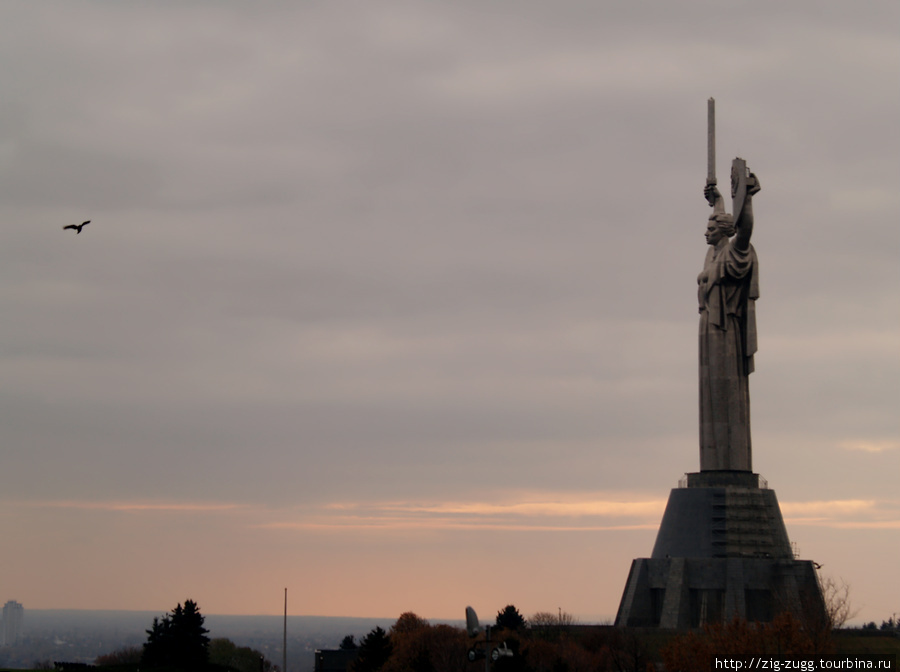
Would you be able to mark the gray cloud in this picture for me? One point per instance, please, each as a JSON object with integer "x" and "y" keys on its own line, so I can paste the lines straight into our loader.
{"x": 357, "y": 250}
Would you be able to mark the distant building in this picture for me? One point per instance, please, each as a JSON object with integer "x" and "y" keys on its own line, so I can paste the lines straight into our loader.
{"x": 11, "y": 625}
{"x": 335, "y": 660}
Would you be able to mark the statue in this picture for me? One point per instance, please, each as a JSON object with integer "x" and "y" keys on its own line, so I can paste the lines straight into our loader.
{"x": 722, "y": 550}
{"x": 728, "y": 288}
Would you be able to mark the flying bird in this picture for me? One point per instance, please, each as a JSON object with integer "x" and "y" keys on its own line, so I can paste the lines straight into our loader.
{"x": 77, "y": 227}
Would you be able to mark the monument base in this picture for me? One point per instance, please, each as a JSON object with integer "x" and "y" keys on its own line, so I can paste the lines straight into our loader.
{"x": 722, "y": 550}
{"x": 683, "y": 593}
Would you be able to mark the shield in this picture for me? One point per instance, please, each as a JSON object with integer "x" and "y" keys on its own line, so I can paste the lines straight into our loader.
{"x": 739, "y": 176}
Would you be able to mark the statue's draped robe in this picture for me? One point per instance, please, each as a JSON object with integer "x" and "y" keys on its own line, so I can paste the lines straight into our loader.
{"x": 728, "y": 289}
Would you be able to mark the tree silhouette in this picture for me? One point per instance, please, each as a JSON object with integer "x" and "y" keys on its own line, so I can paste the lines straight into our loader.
{"x": 784, "y": 637}
{"x": 225, "y": 653}
{"x": 509, "y": 618}
{"x": 418, "y": 646}
{"x": 407, "y": 623}
{"x": 178, "y": 639}
{"x": 127, "y": 655}
{"x": 374, "y": 651}
{"x": 836, "y": 594}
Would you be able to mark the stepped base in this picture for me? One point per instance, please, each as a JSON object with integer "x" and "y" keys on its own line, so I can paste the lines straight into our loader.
{"x": 722, "y": 550}
{"x": 685, "y": 593}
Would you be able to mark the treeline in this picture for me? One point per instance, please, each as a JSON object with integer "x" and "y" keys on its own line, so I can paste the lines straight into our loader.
{"x": 555, "y": 643}
{"x": 178, "y": 642}
{"x": 545, "y": 643}
{"x": 888, "y": 626}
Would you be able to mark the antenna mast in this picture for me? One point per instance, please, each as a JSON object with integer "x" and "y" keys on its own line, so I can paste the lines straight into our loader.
{"x": 284, "y": 638}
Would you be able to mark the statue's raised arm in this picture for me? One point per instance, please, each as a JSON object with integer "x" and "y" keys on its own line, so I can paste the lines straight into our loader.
{"x": 744, "y": 223}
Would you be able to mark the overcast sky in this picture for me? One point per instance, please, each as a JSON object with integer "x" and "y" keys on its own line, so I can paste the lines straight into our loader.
{"x": 394, "y": 303}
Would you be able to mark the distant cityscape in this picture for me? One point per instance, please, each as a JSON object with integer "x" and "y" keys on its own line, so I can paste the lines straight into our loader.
{"x": 80, "y": 636}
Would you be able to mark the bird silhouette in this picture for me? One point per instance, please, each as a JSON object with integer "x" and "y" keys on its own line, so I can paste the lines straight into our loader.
{"x": 77, "y": 227}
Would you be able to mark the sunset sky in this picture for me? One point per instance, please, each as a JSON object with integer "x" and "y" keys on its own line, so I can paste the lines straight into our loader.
{"x": 393, "y": 303}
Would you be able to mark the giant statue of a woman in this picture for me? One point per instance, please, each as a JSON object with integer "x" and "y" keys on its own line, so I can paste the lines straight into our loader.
{"x": 728, "y": 289}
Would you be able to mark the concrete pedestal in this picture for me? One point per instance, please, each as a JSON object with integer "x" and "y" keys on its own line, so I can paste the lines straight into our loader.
{"x": 722, "y": 550}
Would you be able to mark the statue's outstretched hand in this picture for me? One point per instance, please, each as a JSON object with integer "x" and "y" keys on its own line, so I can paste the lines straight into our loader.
{"x": 752, "y": 185}
{"x": 711, "y": 192}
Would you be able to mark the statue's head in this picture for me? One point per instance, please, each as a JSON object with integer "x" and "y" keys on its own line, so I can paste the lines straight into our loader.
{"x": 721, "y": 225}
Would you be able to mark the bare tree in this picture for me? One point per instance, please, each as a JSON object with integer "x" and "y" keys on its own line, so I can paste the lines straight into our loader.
{"x": 836, "y": 593}
{"x": 543, "y": 619}
{"x": 124, "y": 656}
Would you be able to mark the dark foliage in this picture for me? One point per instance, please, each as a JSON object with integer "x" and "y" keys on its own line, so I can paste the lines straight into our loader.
{"x": 348, "y": 643}
{"x": 418, "y": 646}
{"x": 509, "y": 618}
{"x": 178, "y": 640}
{"x": 784, "y": 637}
{"x": 407, "y": 623}
{"x": 226, "y": 654}
{"x": 374, "y": 651}
{"x": 123, "y": 656}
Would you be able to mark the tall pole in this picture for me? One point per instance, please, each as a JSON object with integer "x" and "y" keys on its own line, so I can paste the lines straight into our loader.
{"x": 284, "y": 638}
